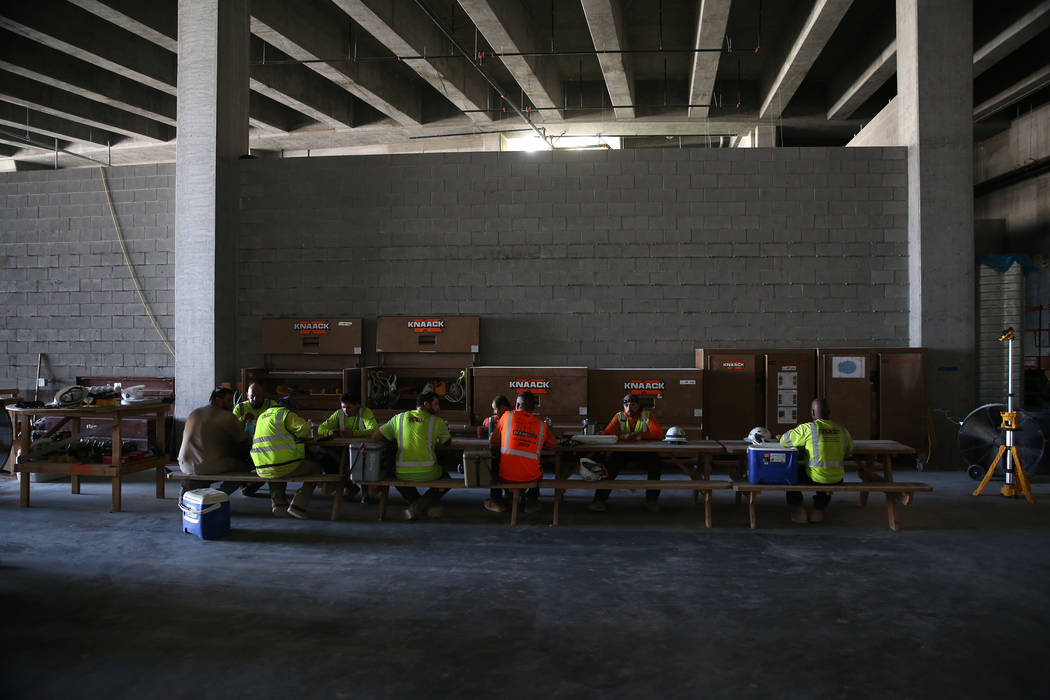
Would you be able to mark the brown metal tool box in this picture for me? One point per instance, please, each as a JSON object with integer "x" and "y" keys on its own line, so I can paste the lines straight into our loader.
{"x": 316, "y": 391}
{"x": 733, "y": 392}
{"x": 674, "y": 395}
{"x": 561, "y": 391}
{"x": 311, "y": 342}
{"x": 428, "y": 341}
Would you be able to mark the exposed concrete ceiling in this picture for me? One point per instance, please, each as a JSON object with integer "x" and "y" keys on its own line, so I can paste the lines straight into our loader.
{"x": 89, "y": 81}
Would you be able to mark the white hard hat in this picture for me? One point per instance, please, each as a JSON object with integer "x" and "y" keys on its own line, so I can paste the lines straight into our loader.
{"x": 591, "y": 470}
{"x": 759, "y": 435}
{"x": 674, "y": 434}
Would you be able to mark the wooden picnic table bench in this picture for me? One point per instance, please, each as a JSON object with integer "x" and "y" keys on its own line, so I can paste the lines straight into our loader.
{"x": 516, "y": 487}
{"x": 704, "y": 486}
{"x": 894, "y": 491}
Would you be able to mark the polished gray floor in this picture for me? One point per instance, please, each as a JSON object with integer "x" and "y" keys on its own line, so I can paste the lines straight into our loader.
{"x": 625, "y": 604}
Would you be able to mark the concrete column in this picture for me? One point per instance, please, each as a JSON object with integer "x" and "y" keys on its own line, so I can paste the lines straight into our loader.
{"x": 212, "y": 133}
{"x": 935, "y": 108}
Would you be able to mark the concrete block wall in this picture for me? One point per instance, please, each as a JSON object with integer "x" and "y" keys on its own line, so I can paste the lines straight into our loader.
{"x": 64, "y": 288}
{"x": 617, "y": 258}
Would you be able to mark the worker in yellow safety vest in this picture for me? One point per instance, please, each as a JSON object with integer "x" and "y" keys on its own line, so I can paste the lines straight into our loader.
{"x": 351, "y": 420}
{"x": 824, "y": 445}
{"x": 278, "y": 451}
{"x": 247, "y": 412}
{"x": 417, "y": 434}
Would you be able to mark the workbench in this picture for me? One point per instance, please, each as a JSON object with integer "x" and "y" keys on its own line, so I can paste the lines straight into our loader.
{"x": 22, "y": 421}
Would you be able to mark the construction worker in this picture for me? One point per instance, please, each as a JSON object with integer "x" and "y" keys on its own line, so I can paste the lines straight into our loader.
{"x": 213, "y": 442}
{"x": 631, "y": 424}
{"x": 351, "y": 420}
{"x": 825, "y": 446}
{"x": 278, "y": 451}
{"x": 417, "y": 434}
{"x": 518, "y": 441}
{"x": 247, "y": 412}
{"x": 500, "y": 405}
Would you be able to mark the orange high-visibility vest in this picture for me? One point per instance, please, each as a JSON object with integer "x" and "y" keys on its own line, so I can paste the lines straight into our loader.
{"x": 521, "y": 441}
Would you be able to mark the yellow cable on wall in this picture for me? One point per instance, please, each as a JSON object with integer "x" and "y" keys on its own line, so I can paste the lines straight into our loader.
{"x": 131, "y": 268}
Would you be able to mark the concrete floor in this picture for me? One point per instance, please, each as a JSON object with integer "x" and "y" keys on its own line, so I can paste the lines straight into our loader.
{"x": 621, "y": 605}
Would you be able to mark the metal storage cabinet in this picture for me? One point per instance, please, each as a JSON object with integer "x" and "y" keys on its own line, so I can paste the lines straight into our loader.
{"x": 903, "y": 413}
{"x": 428, "y": 341}
{"x": 790, "y": 386}
{"x": 314, "y": 359}
{"x": 675, "y": 395}
{"x": 415, "y": 351}
{"x": 323, "y": 343}
{"x": 561, "y": 391}
{"x": 849, "y": 381}
{"x": 733, "y": 392}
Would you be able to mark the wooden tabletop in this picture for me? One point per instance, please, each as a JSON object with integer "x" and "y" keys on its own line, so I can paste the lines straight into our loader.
{"x": 860, "y": 447}
{"x": 92, "y": 411}
{"x": 689, "y": 446}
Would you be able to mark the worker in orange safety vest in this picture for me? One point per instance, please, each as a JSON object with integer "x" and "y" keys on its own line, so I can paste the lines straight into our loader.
{"x": 518, "y": 442}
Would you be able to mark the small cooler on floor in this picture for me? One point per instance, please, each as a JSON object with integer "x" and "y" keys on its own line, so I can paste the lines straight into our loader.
{"x": 205, "y": 513}
{"x": 772, "y": 465}
{"x": 477, "y": 469}
{"x": 366, "y": 461}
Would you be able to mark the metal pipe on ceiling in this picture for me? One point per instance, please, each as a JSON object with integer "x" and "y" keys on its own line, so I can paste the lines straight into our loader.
{"x": 50, "y": 149}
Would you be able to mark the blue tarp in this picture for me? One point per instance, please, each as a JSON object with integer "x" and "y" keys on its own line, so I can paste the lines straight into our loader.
{"x": 1003, "y": 262}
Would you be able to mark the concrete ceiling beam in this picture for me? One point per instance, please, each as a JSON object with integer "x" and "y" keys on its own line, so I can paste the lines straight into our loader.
{"x": 1015, "y": 93}
{"x": 605, "y": 22}
{"x": 31, "y": 60}
{"x": 156, "y": 20}
{"x": 316, "y": 31}
{"x": 270, "y": 115}
{"x": 849, "y": 96}
{"x": 711, "y": 22}
{"x": 52, "y": 100}
{"x": 20, "y": 119}
{"x": 817, "y": 29}
{"x": 79, "y": 33}
{"x": 403, "y": 29}
{"x": 507, "y": 27}
{"x": 303, "y": 90}
{"x": 1010, "y": 39}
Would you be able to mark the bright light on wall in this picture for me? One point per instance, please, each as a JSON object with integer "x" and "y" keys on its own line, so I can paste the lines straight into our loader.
{"x": 532, "y": 142}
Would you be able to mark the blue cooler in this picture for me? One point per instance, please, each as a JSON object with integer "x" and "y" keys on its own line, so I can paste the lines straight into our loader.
{"x": 205, "y": 513}
{"x": 772, "y": 465}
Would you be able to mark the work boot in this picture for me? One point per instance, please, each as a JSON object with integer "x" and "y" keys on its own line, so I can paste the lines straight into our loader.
{"x": 816, "y": 515}
{"x": 250, "y": 489}
{"x": 597, "y": 507}
{"x": 798, "y": 515}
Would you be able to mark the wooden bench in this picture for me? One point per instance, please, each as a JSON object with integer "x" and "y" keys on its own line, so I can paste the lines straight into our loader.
{"x": 895, "y": 491}
{"x": 246, "y": 477}
{"x": 516, "y": 487}
{"x": 695, "y": 485}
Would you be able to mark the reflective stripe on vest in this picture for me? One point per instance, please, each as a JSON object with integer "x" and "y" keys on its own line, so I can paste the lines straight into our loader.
{"x": 506, "y": 448}
{"x": 401, "y": 443}
{"x": 642, "y": 426}
{"x": 281, "y": 441}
